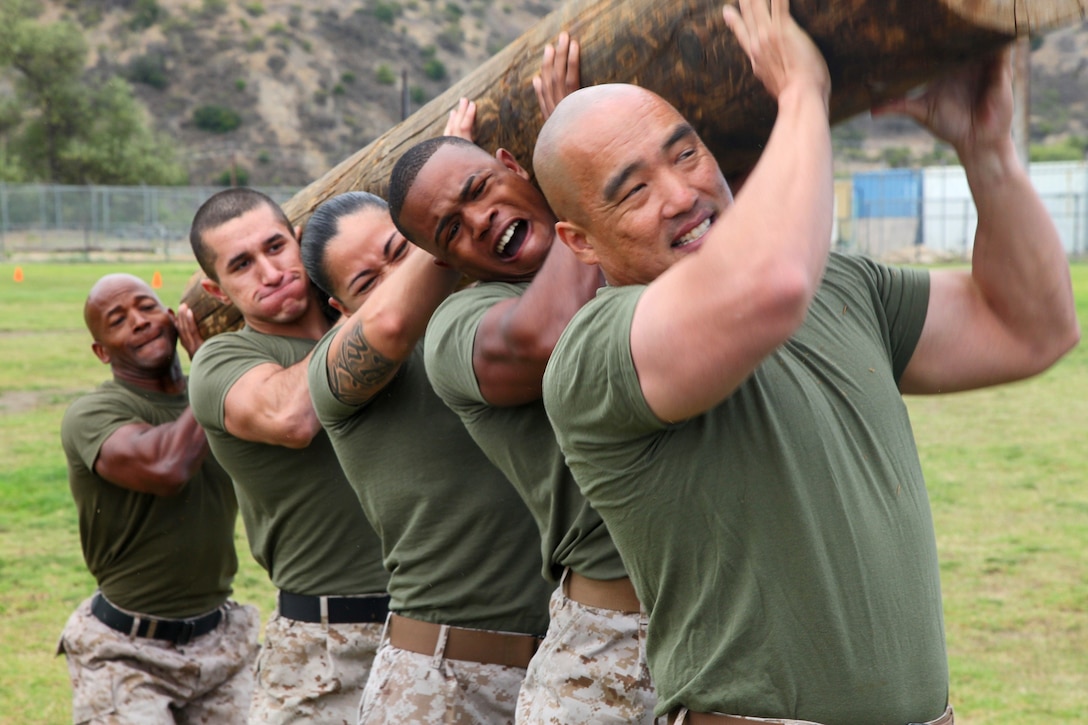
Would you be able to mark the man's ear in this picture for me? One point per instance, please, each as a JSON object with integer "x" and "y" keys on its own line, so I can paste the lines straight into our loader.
{"x": 100, "y": 352}
{"x": 577, "y": 240}
{"x": 335, "y": 304}
{"x": 507, "y": 159}
{"x": 214, "y": 290}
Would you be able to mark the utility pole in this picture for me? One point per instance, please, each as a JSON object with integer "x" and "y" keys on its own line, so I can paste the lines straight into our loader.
{"x": 404, "y": 108}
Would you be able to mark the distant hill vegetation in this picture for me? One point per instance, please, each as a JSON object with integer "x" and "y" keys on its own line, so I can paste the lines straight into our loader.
{"x": 276, "y": 92}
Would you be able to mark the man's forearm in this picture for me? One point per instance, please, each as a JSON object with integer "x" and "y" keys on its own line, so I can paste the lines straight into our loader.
{"x": 1018, "y": 262}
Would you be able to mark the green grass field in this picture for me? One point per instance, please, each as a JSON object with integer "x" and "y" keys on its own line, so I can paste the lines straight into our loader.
{"x": 1006, "y": 472}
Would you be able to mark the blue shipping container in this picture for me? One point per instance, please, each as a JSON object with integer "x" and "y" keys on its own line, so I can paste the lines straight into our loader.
{"x": 891, "y": 193}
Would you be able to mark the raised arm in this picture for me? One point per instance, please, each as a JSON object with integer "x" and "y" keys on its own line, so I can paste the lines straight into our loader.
{"x": 271, "y": 404}
{"x": 372, "y": 344}
{"x": 516, "y": 337}
{"x": 703, "y": 325}
{"x": 157, "y": 459}
{"x": 1012, "y": 314}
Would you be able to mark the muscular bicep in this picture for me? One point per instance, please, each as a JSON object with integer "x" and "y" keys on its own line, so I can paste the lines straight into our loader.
{"x": 131, "y": 458}
{"x": 355, "y": 368}
{"x": 963, "y": 344}
{"x": 509, "y": 367}
{"x": 271, "y": 404}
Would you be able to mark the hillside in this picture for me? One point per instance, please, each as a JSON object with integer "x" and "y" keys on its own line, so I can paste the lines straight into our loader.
{"x": 312, "y": 83}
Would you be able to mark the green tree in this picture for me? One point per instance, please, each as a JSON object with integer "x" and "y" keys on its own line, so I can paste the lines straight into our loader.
{"x": 117, "y": 147}
{"x": 49, "y": 62}
{"x": 66, "y": 128}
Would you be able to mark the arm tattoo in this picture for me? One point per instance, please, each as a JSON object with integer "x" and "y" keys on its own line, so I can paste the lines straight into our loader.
{"x": 359, "y": 372}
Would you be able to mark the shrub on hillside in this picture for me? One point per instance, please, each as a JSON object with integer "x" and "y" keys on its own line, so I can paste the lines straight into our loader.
{"x": 385, "y": 75}
{"x": 149, "y": 69}
{"x": 216, "y": 119}
{"x": 434, "y": 69}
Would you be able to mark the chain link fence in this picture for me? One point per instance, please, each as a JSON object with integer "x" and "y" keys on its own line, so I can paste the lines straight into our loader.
{"x": 51, "y": 221}
{"x": 895, "y": 215}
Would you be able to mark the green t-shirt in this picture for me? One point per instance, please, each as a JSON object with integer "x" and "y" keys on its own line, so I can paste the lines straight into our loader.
{"x": 518, "y": 439}
{"x": 459, "y": 544}
{"x": 166, "y": 556}
{"x": 304, "y": 523}
{"x": 782, "y": 542}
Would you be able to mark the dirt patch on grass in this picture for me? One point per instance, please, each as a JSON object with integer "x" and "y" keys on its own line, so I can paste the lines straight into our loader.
{"x": 22, "y": 401}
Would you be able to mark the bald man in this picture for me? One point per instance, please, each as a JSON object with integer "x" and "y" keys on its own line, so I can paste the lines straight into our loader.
{"x": 160, "y": 641}
{"x": 731, "y": 403}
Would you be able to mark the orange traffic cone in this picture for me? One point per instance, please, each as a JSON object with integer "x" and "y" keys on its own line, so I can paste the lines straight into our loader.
{"x": 156, "y": 280}
{"x": 18, "y": 276}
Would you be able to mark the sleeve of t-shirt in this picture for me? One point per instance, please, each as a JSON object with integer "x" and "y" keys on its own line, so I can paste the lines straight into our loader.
{"x": 450, "y": 337}
{"x": 217, "y": 366}
{"x": 90, "y": 421}
{"x": 903, "y": 295}
{"x": 329, "y": 410}
{"x": 591, "y": 387}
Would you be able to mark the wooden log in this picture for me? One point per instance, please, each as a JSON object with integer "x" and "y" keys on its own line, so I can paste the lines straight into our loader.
{"x": 681, "y": 49}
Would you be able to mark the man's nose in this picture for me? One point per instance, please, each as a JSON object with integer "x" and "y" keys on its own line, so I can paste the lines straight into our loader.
{"x": 477, "y": 219}
{"x": 139, "y": 319}
{"x": 679, "y": 196}
{"x": 270, "y": 273}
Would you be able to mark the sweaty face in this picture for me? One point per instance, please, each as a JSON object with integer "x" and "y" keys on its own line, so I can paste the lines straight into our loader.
{"x": 650, "y": 190}
{"x": 479, "y": 214}
{"x": 366, "y": 248}
{"x": 259, "y": 268}
{"x": 133, "y": 332}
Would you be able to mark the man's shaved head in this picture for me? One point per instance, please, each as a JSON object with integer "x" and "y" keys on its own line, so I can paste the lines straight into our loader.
{"x": 562, "y": 146}
{"x": 105, "y": 288}
{"x": 633, "y": 186}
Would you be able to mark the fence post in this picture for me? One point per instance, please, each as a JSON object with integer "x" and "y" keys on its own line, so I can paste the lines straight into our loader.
{"x": 3, "y": 220}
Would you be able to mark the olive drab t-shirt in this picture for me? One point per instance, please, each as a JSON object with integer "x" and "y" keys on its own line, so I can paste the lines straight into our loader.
{"x": 518, "y": 439}
{"x": 304, "y": 523}
{"x": 782, "y": 542}
{"x": 459, "y": 543}
{"x": 167, "y": 556}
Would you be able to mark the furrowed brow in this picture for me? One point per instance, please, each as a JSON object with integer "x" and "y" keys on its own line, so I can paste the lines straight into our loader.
{"x": 682, "y": 132}
{"x": 462, "y": 197}
{"x": 233, "y": 261}
{"x": 612, "y": 188}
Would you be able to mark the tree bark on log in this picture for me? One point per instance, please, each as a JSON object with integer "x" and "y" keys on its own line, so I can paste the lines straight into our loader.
{"x": 681, "y": 49}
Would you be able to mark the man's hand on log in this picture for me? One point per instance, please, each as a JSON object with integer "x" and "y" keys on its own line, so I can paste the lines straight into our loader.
{"x": 462, "y": 120}
{"x": 970, "y": 108}
{"x": 559, "y": 74}
{"x": 188, "y": 331}
{"x": 782, "y": 54}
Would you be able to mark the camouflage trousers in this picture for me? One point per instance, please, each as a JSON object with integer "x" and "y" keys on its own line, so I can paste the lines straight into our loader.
{"x": 117, "y": 679}
{"x": 407, "y": 687}
{"x": 312, "y": 673}
{"x": 590, "y": 668}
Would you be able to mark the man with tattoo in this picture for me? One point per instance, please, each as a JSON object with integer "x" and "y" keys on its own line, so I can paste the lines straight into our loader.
{"x": 303, "y": 520}
{"x": 467, "y": 601}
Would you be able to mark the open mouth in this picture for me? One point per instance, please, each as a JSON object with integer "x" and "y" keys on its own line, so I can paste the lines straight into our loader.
{"x": 512, "y": 239}
{"x": 693, "y": 234}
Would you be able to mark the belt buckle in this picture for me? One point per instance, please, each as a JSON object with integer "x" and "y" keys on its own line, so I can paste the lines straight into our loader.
{"x": 185, "y": 635}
